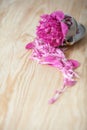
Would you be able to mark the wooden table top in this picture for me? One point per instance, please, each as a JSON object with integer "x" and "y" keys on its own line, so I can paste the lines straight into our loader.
{"x": 25, "y": 85}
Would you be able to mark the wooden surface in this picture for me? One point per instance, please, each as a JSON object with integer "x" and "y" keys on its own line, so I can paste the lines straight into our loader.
{"x": 26, "y": 86}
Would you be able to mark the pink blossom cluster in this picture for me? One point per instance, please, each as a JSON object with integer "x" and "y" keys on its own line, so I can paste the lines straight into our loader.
{"x": 52, "y": 30}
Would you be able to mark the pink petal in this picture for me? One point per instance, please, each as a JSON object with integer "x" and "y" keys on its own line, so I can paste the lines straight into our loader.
{"x": 51, "y": 101}
{"x": 64, "y": 28}
{"x": 74, "y": 63}
{"x": 50, "y": 58}
{"x": 58, "y": 14}
{"x": 70, "y": 83}
{"x": 29, "y": 46}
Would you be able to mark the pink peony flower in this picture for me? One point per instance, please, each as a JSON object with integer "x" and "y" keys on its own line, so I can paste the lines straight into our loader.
{"x": 52, "y": 30}
{"x": 50, "y": 34}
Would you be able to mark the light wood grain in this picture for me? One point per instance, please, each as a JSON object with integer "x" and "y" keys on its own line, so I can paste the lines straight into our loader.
{"x": 25, "y": 85}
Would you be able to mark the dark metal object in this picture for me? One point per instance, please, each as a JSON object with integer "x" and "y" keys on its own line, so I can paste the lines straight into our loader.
{"x": 76, "y": 31}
